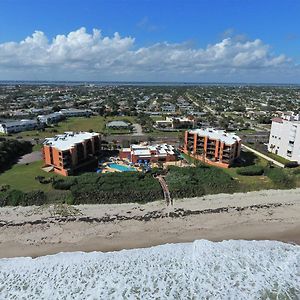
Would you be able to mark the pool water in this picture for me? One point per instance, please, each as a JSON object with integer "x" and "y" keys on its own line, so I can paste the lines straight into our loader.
{"x": 121, "y": 168}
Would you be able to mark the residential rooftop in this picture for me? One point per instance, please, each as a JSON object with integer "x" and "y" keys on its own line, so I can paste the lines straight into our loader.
{"x": 117, "y": 124}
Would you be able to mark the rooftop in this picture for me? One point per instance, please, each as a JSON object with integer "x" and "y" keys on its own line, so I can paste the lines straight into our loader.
{"x": 145, "y": 150}
{"x": 117, "y": 124}
{"x": 18, "y": 122}
{"x": 222, "y": 135}
{"x": 68, "y": 139}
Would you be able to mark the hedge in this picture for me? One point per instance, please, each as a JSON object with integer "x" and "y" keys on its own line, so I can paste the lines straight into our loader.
{"x": 251, "y": 171}
{"x": 280, "y": 178}
{"x": 115, "y": 188}
{"x": 198, "y": 181}
{"x": 15, "y": 197}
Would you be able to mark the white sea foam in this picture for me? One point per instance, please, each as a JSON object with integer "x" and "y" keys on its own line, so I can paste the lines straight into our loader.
{"x": 199, "y": 270}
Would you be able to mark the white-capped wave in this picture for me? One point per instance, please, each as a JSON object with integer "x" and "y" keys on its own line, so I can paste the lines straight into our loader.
{"x": 198, "y": 270}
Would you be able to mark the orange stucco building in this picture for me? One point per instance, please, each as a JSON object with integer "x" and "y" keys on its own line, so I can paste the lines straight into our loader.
{"x": 68, "y": 152}
{"x": 215, "y": 147}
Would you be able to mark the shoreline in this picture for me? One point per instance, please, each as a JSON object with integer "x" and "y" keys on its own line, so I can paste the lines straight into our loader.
{"x": 261, "y": 215}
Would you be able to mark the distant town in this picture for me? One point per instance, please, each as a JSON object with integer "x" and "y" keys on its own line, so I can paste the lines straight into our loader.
{"x": 52, "y": 131}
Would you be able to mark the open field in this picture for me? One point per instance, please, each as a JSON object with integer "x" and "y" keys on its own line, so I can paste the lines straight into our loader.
{"x": 22, "y": 177}
{"x": 95, "y": 123}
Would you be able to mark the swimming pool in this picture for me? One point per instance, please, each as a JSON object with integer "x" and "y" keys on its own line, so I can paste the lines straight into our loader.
{"x": 121, "y": 168}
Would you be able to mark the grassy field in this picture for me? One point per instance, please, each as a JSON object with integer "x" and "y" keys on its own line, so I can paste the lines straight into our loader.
{"x": 95, "y": 123}
{"x": 158, "y": 118}
{"x": 22, "y": 177}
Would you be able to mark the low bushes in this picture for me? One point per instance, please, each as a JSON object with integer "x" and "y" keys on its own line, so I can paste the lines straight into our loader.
{"x": 12, "y": 197}
{"x": 115, "y": 188}
{"x": 254, "y": 170}
{"x": 291, "y": 164}
{"x": 280, "y": 178}
{"x": 198, "y": 181}
{"x": 64, "y": 184}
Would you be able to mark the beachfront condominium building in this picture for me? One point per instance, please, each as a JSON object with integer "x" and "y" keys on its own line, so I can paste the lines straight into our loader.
{"x": 285, "y": 139}
{"x": 149, "y": 153}
{"x": 67, "y": 153}
{"x": 215, "y": 147}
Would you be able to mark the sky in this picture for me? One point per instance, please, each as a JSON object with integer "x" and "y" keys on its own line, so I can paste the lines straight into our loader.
{"x": 151, "y": 40}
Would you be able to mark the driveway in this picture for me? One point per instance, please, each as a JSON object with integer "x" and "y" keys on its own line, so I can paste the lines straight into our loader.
{"x": 137, "y": 129}
{"x": 30, "y": 157}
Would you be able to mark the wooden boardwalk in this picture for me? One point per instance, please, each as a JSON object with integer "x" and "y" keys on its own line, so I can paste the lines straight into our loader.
{"x": 165, "y": 189}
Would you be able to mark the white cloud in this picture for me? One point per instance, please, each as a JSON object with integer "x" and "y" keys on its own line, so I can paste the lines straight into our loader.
{"x": 85, "y": 56}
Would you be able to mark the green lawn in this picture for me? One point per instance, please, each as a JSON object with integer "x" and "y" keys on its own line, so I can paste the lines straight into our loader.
{"x": 37, "y": 147}
{"x": 158, "y": 118}
{"x": 278, "y": 158}
{"x": 22, "y": 177}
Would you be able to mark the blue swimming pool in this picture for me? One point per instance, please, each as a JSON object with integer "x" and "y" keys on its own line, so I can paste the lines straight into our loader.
{"x": 121, "y": 168}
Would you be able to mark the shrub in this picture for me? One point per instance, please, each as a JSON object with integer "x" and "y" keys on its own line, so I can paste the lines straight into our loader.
{"x": 16, "y": 197}
{"x": 11, "y": 198}
{"x": 192, "y": 182}
{"x": 291, "y": 164}
{"x": 63, "y": 184}
{"x": 280, "y": 178}
{"x": 251, "y": 170}
{"x": 116, "y": 188}
{"x": 296, "y": 171}
{"x": 34, "y": 198}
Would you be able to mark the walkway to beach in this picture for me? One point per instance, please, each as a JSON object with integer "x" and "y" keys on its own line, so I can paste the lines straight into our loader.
{"x": 275, "y": 162}
{"x": 165, "y": 189}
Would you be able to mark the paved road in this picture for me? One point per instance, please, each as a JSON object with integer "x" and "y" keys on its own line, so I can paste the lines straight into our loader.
{"x": 30, "y": 157}
{"x": 275, "y": 162}
{"x": 137, "y": 130}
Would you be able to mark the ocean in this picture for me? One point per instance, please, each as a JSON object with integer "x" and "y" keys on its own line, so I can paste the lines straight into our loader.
{"x": 199, "y": 270}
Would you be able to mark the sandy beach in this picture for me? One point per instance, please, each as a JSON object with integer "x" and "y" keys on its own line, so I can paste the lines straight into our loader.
{"x": 35, "y": 231}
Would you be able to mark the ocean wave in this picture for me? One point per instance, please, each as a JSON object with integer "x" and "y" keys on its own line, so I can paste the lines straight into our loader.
{"x": 198, "y": 270}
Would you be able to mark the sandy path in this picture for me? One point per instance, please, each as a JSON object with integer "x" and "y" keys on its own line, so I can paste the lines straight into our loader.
{"x": 34, "y": 231}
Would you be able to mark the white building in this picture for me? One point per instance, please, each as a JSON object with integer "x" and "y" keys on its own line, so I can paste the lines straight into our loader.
{"x": 285, "y": 139}
{"x": 18, "y": 126}
{"x": 176, "y": 122}
{"x": 51, "y": 118}
{"x": 74, "y": 112}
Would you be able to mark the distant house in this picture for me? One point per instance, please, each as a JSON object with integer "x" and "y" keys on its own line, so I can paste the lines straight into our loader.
{"x": 74, "y": 112}
{"x": 118, "y": 125}
{"x": 51, "y": 118}
{"x": 176, "y": 123}
{"x": 168, "y": 108}
{"x": 18, "y": 126}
